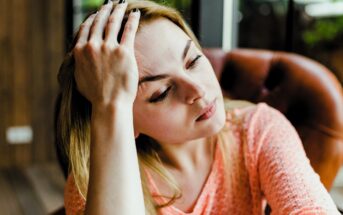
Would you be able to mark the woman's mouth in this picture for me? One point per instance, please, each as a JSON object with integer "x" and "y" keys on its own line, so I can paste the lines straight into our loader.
{"x": 207, "y": 112}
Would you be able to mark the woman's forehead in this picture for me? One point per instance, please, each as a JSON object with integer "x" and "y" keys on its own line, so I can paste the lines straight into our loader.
{"x": 160, "y": 37}
{"x": 158, "y": 44}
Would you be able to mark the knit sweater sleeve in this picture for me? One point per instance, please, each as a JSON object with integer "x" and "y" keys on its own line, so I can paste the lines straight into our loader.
{"x": 286, "y": 177}
{"x": 73, "y": 201}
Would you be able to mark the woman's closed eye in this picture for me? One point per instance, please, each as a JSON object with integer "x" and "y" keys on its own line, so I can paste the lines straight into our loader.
{"x": 163, "y": 95}
{"x": 194, "y": 61}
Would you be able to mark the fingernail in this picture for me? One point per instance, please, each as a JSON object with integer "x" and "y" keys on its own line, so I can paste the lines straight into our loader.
{"x": 121, "y": 1}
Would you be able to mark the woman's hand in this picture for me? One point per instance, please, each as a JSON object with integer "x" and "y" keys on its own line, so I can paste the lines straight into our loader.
{"x": 106, "y": 70}
{"x": 106, "y": 74}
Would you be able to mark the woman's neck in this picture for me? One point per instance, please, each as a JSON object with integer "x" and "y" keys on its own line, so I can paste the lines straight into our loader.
{"x": 189, "y": 156}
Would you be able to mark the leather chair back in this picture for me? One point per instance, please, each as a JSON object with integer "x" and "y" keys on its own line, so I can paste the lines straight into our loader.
{"x": 306, "y": 92}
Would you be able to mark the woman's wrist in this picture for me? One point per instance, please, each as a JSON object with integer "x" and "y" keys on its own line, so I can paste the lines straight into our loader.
{"x": 111, "y": 121}
{"x": 112, "y": 107}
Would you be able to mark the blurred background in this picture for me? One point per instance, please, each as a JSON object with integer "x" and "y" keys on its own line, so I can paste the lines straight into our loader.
{"x": 34, "y": 36}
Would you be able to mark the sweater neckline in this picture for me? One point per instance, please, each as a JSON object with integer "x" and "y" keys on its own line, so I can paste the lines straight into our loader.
{"x": 204, "y": 190}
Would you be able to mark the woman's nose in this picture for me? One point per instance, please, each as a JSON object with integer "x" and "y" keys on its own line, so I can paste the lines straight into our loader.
{"x": 193, "y": 91}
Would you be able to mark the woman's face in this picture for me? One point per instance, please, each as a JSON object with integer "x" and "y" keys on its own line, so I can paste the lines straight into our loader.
{"x": 177, "y": 83}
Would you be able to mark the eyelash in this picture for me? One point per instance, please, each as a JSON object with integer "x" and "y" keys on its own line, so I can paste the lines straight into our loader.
{"x": 163, "y": 95}
{"x": 194, "y": 62}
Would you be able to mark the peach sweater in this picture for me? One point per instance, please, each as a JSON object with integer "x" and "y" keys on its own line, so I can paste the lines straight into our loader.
{"x": 269, "y": 165}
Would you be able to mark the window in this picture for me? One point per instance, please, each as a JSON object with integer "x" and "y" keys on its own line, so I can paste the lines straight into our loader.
{"x": 313, "y": 28}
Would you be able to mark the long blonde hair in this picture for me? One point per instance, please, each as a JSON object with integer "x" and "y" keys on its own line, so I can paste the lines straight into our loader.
{"x": 74, "y": 114}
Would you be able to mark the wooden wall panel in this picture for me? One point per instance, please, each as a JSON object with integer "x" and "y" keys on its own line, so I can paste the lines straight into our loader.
{"x": 39, "y": 88}
{"x": 19, "y": 67}
{"x": 4, "y": 82}
{"x": 31, "y": 49}
{"x": 56, "y": 23}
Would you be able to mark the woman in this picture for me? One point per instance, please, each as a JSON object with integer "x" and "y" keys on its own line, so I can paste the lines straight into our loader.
{"x": 143, "y": 121}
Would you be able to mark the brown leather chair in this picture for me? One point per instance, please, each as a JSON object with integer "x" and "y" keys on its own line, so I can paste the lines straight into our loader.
{"x": 306, "y": 92}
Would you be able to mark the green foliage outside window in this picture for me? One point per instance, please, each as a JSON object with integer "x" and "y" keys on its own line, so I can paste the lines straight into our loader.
{"x": 179, "y": 4}
{"x": 92, "y": 3}
{"x": 324, "y": 31}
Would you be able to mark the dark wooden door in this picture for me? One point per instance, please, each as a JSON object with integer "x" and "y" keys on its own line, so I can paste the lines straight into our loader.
{"x": 31, "y": 49}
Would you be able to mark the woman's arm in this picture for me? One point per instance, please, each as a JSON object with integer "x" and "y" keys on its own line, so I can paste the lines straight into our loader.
{"x": 287, "y": 179}
{"x": 114, "y": 182}
{"x": 106, "y": 74}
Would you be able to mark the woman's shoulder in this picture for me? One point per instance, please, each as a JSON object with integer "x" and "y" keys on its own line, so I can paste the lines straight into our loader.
{"x": 247, "y": 111}
{"x": 258, "y": 125}
{"x": 253, "y": 118}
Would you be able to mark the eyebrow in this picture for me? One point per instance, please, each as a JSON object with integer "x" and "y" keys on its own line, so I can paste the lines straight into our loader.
{"x": 188, "y": 45}
{"x": 150, "y": 78}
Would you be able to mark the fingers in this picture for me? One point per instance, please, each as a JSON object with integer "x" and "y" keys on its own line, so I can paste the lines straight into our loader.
{"x": 100, "y": 22}
{"x": 84, "y": 31}
{"x": 130, "y": 29}
{"x": 92, "y": 29}
{"x": 114, "y": 23}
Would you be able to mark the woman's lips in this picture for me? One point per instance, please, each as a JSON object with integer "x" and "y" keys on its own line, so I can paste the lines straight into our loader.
{"x": 208, "y": 111}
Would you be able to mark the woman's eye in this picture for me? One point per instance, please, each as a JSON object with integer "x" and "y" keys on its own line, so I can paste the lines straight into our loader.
{"x": 161, "y": 97}
{"x": 194, "y": 61}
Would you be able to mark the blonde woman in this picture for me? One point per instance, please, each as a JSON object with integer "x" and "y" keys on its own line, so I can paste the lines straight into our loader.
{"x": 143, "y": 122}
